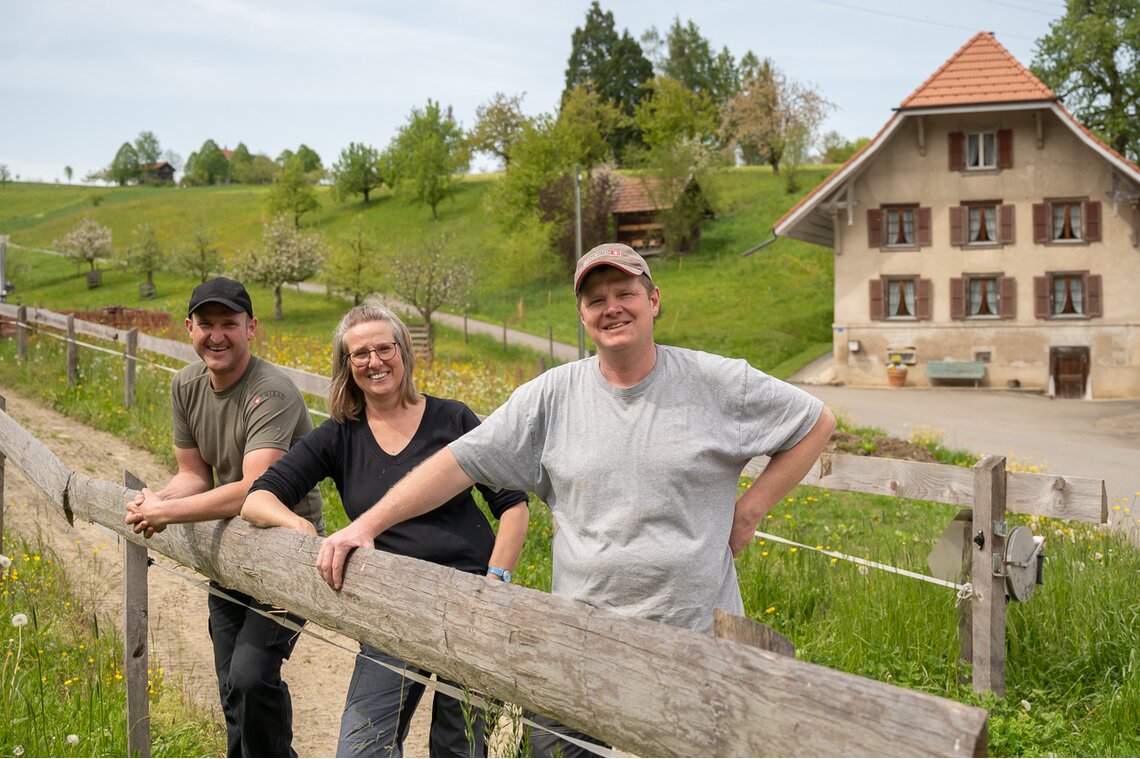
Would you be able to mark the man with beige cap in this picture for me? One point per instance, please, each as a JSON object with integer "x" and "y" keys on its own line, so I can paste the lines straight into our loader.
{"x": 637, "y": 451}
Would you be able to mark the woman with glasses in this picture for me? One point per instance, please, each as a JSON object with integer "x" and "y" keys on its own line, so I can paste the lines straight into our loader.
{"x": 380, "y": 429}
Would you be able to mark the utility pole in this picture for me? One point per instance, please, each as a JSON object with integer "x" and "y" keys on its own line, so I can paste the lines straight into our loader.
{"x": 578, "y": 250}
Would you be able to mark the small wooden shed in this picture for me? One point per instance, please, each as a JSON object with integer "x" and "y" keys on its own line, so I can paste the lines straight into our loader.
{"x": 636, "y": 208}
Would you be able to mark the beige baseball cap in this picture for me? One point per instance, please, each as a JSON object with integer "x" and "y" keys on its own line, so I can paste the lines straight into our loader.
{"x": 610, "y": 254}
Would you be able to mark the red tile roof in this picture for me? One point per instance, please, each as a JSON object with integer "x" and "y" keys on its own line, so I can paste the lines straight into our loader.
{"x": 635, "y": 194}
{"x": 982, "y": 71}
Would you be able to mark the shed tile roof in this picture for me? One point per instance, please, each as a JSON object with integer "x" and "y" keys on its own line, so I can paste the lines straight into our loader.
{"x": 635, "y": 194}
{"x": 982, "y": 71}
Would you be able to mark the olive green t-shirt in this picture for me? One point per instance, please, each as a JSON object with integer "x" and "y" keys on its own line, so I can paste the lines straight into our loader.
{"x": 263, "y": 409}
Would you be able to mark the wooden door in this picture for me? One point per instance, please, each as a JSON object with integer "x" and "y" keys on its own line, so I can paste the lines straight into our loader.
{"x": 1070, "y": 369}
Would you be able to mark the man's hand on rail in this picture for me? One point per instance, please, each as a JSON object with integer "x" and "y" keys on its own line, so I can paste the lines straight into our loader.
{"x": 336, "y": 548}
{"x": 143, "y": 513}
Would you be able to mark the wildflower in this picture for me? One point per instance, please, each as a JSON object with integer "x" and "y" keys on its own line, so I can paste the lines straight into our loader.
{"x": 1025, "y": 704}
{"x": 863, "y": 570}
{"x": 793, "y": 549}
{"x": 73, "y": 740}
{"x": 5, "y": 562}
{"x": 763, "y": 553}
{"x": 770, "y": 609}
{"x": 18, "y": 751}
{"x": 1098, "y": 555}
{"x": 19, "y": 620}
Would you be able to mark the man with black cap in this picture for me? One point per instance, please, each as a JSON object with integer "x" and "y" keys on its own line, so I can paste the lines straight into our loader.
{"x": 637, "y": 451}
{"x": 234, "y": 416}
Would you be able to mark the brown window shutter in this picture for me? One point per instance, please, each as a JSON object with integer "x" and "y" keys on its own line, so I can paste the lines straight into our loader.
{"x": 1094, "y": 303}
{"x": 957, "y": 151}
{"x": 1005, "y": 148}
{"x": 1007, "y": 287}
{"x": 957, "y": 225}
{"x": 924, "y": 237}
{"x": 957, "y": 298}
{"x": 1006, "y": 224}
{"x": 874, "y": 227}
{"x": 1091, "y": 212}
{"x": 1041, "y": 222}
{"x": 922, "y": 301}
{"x": 878, "y": 301}
{"x": 1041, "y": 297}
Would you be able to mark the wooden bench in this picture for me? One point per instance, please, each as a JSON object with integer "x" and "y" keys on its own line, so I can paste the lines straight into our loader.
{"x": 971, "y": 371}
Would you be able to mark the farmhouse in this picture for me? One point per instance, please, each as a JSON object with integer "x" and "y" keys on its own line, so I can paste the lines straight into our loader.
{"x": 983, "y": 234}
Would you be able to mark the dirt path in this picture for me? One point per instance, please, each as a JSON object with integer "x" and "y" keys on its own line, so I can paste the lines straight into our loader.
{"x": 317, "y": 673}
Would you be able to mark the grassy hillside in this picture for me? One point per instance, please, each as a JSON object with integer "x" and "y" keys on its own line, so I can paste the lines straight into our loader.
{"x": 773, "y": 308}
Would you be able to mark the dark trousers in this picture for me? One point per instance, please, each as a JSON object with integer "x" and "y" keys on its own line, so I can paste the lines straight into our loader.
{"x": 379, "y": 707}
{"x": 248, "y": 652}
{"x": 545, "y": 743}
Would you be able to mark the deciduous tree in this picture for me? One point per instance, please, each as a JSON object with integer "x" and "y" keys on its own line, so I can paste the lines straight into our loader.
{"x": 351, "y": 264}
{"x": 5, "y": 175}
{"x": 357, "y": 171}
{"x": 207, "y": 166}
{"x": 68, "y": 172}
{"x": 286, "y": 255}
{"x": 430, "y": 279}
{"x": 1091, "y": 59}
{"x": 291, "y": 192}
{"x": 201, "y": 257}
{"x": 675, "y": 112}
{"x": 125, "y": 165}
{"x": 769, "y": 109}
{"x": 145, "y": 254}
{"x": 498, "y": 123}
{"x": 147, "y": 153}
{"x": 426, "y": 155}
{"x": 87, "y": 242}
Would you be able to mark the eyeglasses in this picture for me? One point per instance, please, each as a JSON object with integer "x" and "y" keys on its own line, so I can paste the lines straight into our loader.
{"x": 363, "y": 356}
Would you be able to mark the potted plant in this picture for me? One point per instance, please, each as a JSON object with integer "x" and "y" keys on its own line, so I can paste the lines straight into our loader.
{"x": 896, "y": 371}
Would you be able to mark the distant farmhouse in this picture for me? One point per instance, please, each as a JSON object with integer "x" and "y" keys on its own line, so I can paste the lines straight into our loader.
{"x": 983, "y": 235}
{"x": 162, "y": 171}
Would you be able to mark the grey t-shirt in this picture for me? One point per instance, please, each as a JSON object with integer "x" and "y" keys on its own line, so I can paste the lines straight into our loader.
{"x": 642, "y": 480}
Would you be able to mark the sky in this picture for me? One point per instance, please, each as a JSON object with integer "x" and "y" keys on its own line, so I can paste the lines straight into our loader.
{"x": 79, "y": 78}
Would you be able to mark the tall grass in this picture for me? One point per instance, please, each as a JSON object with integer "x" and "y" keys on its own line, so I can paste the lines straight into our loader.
{"x": 63, "y": 692}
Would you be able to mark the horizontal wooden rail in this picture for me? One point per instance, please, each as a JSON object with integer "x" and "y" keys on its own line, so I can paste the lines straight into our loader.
{"x": 307, "y": 382}
{"x": 1081, "y": 499}
{"x": 643, "y": 686}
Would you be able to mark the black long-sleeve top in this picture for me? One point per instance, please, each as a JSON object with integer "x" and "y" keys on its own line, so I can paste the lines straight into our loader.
{"x": 456, "y": 534}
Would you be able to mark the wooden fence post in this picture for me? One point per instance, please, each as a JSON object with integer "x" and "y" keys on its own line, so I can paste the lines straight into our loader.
{"x": 987, "y": 604}
{"x": 129, "y": 369}
{"x": 465, "y": 326}
{"x": 22, "y": 333}
{"x": 135, "y": 648}
{"x": 504, "y": 333}
{"x": 550, "y": 338}
{"x": 72, "y": 353}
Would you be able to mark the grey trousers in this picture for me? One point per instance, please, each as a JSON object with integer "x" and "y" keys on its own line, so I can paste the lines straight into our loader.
{"x": 379, "y": 707}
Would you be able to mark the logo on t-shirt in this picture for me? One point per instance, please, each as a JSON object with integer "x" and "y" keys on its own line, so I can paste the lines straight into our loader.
{"x": 263, "y": 396}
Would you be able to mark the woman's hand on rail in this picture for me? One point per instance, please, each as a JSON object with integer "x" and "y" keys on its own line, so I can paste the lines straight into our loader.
{"x": 336, "y": 548}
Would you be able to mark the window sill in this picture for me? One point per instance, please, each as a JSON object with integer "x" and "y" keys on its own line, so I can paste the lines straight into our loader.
{"x": 981, "y": 170}
{"x": 1068, "y": 317}
{"x": 983, "y": 318}
{"x": 983, "y": 245}
{"x": 900, "y": 249}
{"x": 1066, "y": 243}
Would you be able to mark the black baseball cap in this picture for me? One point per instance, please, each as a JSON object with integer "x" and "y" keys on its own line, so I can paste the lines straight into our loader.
{"x": 230, "y": 293}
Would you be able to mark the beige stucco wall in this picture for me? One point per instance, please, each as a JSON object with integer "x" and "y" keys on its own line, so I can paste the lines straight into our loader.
{"x": 1063, "y": 168}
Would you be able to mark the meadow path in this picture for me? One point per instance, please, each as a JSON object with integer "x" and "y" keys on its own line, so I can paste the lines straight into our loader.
{"x": 317, "y": 673}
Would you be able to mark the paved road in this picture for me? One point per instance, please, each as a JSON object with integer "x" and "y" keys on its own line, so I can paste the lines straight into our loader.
{"x": 1099, "y": 439}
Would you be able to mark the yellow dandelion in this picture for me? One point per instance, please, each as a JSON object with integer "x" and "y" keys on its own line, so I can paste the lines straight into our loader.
{"x": 794, "y": 549}
{"x": 770, "y": 609}
{"x": 763, "y": 553}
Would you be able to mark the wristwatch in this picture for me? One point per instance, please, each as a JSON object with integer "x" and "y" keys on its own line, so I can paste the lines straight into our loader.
{"x": 502, "y": 574}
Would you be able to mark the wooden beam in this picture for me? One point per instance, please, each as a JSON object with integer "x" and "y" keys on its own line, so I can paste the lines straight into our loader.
{"x": 1080, "y": 499}
{"x": 136, "y": 654}
{"x": 644, "y": 686}
{"x": 987, "y": 603}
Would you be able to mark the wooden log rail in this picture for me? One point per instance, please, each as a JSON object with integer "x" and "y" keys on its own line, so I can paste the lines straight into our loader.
{"x": 643, "y": 686}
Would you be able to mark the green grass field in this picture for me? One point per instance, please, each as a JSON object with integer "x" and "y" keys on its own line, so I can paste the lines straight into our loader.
{"x": 772, "y": 308}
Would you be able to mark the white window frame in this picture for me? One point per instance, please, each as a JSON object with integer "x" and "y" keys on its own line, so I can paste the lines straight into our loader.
{"x": 987, "y": 159}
